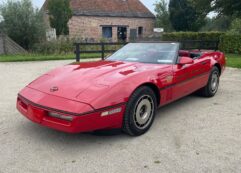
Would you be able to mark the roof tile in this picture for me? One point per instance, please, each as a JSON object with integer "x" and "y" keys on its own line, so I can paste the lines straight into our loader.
{"x": 109, "y": 8}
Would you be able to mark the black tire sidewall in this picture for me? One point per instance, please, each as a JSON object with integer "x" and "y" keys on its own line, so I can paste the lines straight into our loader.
{"x": 209, "y": 87}
{"x": 129, "y": 124}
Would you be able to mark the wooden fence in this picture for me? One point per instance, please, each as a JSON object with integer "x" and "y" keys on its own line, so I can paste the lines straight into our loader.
{"x": 185, "y": 45}
{"x": 101, "y": 49}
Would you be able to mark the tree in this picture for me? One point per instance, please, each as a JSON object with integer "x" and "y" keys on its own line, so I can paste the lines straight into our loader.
{"x": 203, "y": 7}
{"x": 235, "y": 27}
{"x": 162, "y": 15}
{"x": 1, "y": 25}
{"x": 22, "y": 22}
{"x": 228, "y": 7}
{"x": 218, "y": 23}
{"x": 183, "y": 16}
{"x": 59, "y": 15}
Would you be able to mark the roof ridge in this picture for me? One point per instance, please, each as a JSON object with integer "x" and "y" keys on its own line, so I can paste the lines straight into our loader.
{"x": 114, "y": 8}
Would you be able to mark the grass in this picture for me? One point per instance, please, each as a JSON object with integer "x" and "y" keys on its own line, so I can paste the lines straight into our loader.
{"x": 234, "y": 60}
{"x": 36, "y": 57}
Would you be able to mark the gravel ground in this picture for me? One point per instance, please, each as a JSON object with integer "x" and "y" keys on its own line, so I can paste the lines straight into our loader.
{"x": 191, "y": 135}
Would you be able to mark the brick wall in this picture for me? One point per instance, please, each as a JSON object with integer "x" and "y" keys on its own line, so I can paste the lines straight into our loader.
{"x": 91, "y": 27}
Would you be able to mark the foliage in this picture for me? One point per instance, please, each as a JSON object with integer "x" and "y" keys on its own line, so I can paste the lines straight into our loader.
{"x": 228, "y": 7}
{"x": 203, "y": 7}
{"x": 230, "y": 43}
{"x": 60, "y": 13}
{"x": 235, "y": 27}
{"x": 22, "y": 22}
{"x": 163, "y": 16}
{"x": 66, "y": 46}
{"x": 54, "y": 47}
{"x": 2, "y": 27}
{"x": 218, "y": 23}
{"x": 178, "y": 36}
{"x": 184, "y": 17}
{"x": 222, "y": 7}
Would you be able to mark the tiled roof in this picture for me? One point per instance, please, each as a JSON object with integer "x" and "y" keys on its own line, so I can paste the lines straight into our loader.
{"x": 109, "y": 8}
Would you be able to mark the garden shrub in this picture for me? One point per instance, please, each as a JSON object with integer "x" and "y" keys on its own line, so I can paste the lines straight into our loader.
{"x": 66, "y": 46}
{"x": 180, "y": 36}
{"x": 230, "y": 43}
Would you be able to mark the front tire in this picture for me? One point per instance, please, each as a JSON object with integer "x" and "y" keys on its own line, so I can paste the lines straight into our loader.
{"x": 140, "y": 111}
{"x": 211, "y": 88}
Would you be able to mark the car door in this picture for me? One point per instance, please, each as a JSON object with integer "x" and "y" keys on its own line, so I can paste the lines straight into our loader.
{"x": 189, "y": 78}
{"x": 199, "y": 73}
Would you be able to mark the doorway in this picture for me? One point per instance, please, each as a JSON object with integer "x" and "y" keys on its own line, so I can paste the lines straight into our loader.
{"x": 122, "y": 34}
{"x": 133, "y": 34}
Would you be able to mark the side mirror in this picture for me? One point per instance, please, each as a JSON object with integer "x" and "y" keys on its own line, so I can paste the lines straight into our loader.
{"x": 185, "y": 60}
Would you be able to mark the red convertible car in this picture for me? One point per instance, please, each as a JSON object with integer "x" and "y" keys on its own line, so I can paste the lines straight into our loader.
{"x": 121, "y": 92}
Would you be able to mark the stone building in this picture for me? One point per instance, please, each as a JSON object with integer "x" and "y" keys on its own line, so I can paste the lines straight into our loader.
{"x": 115, "y": 20}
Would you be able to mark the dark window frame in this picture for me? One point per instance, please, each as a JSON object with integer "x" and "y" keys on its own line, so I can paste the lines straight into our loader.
{"x": 140, "y": 30}
{"x": 105, "y": 30}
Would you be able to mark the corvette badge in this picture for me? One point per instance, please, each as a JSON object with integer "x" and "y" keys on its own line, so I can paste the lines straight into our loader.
{"x": 54, "y": 89}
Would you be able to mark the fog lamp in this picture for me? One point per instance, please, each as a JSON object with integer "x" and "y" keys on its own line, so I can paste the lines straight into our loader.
{"x": 63, "y": 117}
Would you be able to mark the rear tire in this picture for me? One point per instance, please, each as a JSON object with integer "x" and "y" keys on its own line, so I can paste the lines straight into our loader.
{"x": 211, "y": 88}
{"x": 140, "y": 112}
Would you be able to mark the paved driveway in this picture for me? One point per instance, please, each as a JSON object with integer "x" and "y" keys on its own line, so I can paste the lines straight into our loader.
{"x": 191, "y": 135}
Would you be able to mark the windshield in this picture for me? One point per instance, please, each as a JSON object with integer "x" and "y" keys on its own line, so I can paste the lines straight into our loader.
{"x": 155, "y": 53}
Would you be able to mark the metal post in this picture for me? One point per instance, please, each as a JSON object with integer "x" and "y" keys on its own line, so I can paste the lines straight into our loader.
{"x": 102, "y": 51}
{"x": 77, "y": 52}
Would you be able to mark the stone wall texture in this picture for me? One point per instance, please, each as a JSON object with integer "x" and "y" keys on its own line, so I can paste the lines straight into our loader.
{"x": 2, "y": 51}
{"x": 91, "y": 27}
{"x": 8, "y": 46}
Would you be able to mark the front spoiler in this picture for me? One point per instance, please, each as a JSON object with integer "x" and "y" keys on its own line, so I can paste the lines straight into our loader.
{"x": 91, "y": 120}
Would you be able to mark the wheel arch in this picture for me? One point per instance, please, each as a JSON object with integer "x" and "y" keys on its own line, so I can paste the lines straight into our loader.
{"x": 154, "y": 88}
{"x": 219, "y": 68}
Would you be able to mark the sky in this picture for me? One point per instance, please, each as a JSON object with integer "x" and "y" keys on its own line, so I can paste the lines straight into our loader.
{"x": 147, "y": 3}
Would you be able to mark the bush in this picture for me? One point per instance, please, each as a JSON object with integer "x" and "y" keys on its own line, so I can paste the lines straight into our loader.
{"x": 235, "y": 27}
{"x": 66, "y": 46}
{"x": 22, "y": 22}
{"x": 180, "y": 36}
{"x": 54, "y": 47}
{"x": 230, "y": 43}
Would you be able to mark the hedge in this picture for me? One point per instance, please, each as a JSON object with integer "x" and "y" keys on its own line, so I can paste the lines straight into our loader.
{"x": 60, "y": 47}
{"x": 230, "y": 43}
{"x": 179, "y": 36}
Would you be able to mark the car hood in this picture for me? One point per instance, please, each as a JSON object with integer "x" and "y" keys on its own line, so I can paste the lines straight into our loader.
{"x": 72, "y": 80}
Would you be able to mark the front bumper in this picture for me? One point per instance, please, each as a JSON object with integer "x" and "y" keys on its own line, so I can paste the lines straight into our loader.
{"x": 67, "y": 121}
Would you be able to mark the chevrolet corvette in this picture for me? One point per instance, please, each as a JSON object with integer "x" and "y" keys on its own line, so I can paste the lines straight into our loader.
{"x": 121, "y": 92}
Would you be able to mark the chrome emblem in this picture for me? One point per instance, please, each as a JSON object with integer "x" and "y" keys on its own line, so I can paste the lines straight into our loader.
{"x": 54, "y": 89}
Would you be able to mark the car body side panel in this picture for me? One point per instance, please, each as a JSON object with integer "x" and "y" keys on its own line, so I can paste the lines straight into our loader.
{"x": 120, "y": 91}
{"x": 108, "y": 85}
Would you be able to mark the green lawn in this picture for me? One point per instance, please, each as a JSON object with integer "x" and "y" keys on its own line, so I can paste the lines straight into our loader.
{"x": 35, "y": 57}
{"x": 233, "y": 60}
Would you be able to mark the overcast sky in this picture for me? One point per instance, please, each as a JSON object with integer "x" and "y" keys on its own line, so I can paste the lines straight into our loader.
{"x": 148, "y": 3}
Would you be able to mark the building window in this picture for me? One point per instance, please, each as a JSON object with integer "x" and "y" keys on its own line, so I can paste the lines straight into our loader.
{"x": 140, "y": 31}
{"x": 107, "y": 32}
